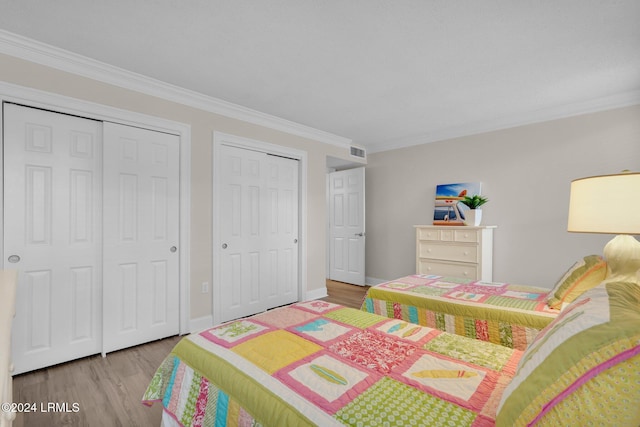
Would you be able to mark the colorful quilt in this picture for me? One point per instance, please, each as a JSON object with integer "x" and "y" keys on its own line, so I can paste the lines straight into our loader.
{"x": 584, "y": 368}
{"x": 501, "y": 313}
{"x": 317, "y": 363}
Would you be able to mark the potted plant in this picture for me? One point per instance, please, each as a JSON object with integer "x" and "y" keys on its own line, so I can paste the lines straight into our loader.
{"x": 473, "y": 216}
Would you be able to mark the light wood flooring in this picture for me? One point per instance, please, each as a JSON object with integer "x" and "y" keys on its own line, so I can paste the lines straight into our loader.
{"x": 345, "y": 294}
{"x": 108, "y": 390}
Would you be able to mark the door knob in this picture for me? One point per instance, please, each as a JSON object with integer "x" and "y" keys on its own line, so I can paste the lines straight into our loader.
{"x": 173, "y": 249}
{"x": 295, "y": 240}
{"x": 359, "y": 234}
{"x": 14, "y": 258}
{"x": 224, "y": 246}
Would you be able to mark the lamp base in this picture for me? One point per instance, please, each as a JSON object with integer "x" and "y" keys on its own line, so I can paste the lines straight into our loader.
{"x": 622, "y": 254}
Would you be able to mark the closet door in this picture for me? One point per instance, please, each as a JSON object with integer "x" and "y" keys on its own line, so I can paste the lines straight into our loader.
{"x": 258, "y": 230}
{"x": 52, "y": 234}
{"x": 141, "y": 233}
{"x": 281, "y": 224}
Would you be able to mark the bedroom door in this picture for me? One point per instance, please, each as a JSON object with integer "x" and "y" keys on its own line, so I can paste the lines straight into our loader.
{"x": 347, "y": 226}
{"x": 141, "y": 221}
{"x": 52, "y": 234}
{"x": 258, "y": 230}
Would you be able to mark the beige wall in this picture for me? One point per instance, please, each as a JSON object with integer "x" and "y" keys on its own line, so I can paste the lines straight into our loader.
{"x": 202, "y": 123}
{"x": 525, "y": 172}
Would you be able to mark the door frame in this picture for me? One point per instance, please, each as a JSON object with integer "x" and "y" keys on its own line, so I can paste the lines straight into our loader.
{"x": 221, "y": 138}
{"x": 87, "y": 109}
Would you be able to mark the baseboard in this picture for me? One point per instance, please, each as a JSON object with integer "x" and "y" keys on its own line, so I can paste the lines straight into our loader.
{"x": 316, "y": 294}
{"x": 372, "y": 281}
{"x": 200, "y": 324}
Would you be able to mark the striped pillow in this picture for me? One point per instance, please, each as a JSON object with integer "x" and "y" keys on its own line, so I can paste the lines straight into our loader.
{"x": 584, "y": 367}
{"x": 582, "y": 276}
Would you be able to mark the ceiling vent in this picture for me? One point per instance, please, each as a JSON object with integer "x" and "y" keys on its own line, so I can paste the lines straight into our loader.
{"x": 358, "y": 152}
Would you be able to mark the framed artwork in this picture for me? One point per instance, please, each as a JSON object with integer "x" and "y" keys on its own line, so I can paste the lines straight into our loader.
{"x": 448, "y": 209}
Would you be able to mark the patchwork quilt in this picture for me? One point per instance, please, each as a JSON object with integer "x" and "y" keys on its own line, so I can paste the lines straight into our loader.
{"x": 317, "y": 363}
{"x": 502, "y": 313}
{"x": 584, "y": 368}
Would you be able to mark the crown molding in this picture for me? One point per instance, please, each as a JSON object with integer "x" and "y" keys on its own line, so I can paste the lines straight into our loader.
{"x": 611, "y": 102}
{"x": 51, "y": 56}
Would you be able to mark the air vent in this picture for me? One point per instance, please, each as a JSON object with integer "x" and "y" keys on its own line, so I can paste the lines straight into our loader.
{"x": 358, "y": 152}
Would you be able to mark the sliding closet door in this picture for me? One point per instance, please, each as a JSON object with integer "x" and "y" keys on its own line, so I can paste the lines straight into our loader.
{"x": 281, "y": 224}
{"x": 258, "y": 231}
{"x": 141, "y": 233}
{"x": 52, "y": 234}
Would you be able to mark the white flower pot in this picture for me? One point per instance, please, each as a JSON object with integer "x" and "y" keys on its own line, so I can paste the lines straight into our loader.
{"x": 473, "y": 217}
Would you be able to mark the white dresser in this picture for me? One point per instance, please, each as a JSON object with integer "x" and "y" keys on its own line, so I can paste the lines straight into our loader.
{"x": 458, "y": 251}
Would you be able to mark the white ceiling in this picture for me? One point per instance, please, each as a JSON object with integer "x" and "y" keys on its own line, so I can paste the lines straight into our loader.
{"x": 381, "y": 73}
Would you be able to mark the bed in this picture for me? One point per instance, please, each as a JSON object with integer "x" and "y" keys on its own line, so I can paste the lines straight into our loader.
{"x": 502, "y": 313}
{"x": 317, "y": 363}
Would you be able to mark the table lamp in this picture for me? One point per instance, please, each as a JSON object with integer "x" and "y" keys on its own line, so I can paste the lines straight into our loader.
{"x": 610, "y": 204}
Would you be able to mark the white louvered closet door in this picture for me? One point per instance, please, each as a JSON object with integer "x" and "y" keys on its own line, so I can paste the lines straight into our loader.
{"x": 52, "y": 234}
{"x": 141, "y": 233}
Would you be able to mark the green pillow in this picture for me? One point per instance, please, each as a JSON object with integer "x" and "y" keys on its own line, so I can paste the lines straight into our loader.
{"x": 583, "y": 275}
{"x": 584, "y": 367}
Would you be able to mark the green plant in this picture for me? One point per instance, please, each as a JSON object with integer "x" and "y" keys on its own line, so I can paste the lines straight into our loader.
{"x": 474, "y": 201}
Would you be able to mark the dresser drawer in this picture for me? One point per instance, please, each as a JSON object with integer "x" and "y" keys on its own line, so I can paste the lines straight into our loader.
{"x": 470, "y": 236}
{"x": 428, "y": 266}
{"x": 428, "y": 234}
{"x": 451, "y": 252}
{"x": 449, "y": 234}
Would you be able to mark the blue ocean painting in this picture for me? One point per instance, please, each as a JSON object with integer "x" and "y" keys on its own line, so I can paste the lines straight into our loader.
{"x": 457, "y": 191}
{"x": 448, "y": 210}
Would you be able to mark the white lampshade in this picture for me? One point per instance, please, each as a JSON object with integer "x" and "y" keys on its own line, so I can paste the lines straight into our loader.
{"x": 605, "y": 204}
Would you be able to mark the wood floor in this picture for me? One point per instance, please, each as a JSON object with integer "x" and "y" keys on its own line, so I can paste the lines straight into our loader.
{"x": 107, "y": 391}
{"x": 345, "y": 294}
